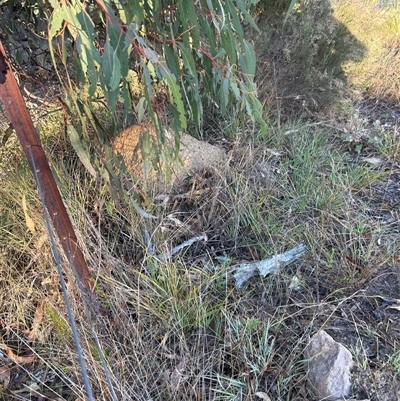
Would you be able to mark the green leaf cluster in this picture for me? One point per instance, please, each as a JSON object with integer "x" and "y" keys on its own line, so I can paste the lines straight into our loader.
{"x": 195, "y": 52}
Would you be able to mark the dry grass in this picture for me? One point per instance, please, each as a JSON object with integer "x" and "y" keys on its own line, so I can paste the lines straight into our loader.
{"x": 378, "y": 71}
{"x": 181, "y": 330}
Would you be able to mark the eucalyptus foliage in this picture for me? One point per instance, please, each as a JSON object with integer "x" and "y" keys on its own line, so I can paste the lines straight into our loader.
{"x": 193, "y": 50}
{"x": 132, "y": 54}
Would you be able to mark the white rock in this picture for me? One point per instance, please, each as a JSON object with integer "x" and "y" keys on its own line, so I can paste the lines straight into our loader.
{"x": 329, "y": 364}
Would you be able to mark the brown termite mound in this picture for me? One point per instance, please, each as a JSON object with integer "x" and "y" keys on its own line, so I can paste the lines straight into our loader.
{"x": 194, "y": 155}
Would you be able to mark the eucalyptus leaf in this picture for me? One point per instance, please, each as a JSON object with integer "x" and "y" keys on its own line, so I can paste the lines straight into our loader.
{"x": 236, "y": 24}
{"x": 176, "y": 98}
{"x": 188, "y": 8}
{"x": 116, "y": 73}
{"x": 107, "y": 63}
{"x": 289, "y": 11}
{"x": 243, "y": 7}
{"x": 188, "y": 61}
{"x": 141, "y": 108}
{"x": 151, "y": 55}
{"x": 81, "y": 149}
{"x": 56, "y": 21}
{"x": 247, "y": 60}
{"x": 171, "y": 58}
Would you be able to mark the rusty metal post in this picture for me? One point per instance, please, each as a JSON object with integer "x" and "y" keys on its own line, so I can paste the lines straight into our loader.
{"x": 15, "y": 107}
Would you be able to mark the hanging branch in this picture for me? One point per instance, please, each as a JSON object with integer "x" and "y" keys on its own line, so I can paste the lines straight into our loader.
{"x": 15, "y": 107}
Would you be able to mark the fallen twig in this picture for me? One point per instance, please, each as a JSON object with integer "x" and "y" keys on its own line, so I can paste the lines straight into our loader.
{"x": 272, "y": 265}
{"x": 168, "y": 255}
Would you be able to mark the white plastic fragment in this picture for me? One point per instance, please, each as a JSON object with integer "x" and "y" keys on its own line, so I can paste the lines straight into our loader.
{"x": 272, "y": 265}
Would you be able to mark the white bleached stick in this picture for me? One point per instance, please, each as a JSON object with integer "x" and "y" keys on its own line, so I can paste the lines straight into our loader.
{"x": 272, "y": 265}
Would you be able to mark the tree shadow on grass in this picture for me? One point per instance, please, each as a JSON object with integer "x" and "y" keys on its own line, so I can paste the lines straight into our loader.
{"x": 300, "y": 64}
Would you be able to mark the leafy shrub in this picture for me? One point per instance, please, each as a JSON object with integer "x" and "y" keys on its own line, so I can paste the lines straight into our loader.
{"x": 300, "y": 61}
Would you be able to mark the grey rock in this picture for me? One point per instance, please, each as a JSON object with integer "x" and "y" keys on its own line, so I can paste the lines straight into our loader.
{"x": 329, "y": 364}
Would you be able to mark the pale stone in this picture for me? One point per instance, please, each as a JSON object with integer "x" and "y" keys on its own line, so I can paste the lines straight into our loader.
{"x": 329, "y": 364}
{"x": 194, "y": 154}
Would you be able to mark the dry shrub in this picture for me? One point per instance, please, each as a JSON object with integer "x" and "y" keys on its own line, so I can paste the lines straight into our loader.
{"x": 300, "y": 62}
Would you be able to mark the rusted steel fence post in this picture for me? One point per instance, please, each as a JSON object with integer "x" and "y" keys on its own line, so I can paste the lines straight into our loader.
{"x": 15, "y": 107}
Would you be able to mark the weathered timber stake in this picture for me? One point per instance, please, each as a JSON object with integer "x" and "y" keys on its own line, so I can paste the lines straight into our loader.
{"x": 15, "y": 107}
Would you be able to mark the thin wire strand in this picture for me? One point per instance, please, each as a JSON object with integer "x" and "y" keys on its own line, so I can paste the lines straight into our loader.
{"x": 56, "y": 255}
{"x": 95, "y": 336}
